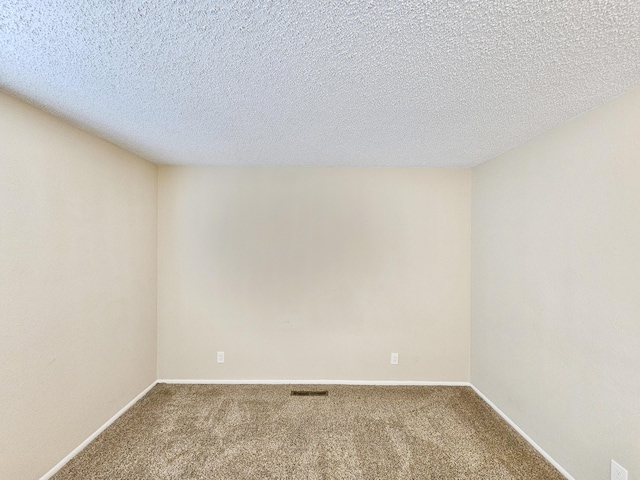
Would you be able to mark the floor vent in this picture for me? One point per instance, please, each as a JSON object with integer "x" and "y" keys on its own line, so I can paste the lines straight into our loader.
{"x": 309, "y": 393}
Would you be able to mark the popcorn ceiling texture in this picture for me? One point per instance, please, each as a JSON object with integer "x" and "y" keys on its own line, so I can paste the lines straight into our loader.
{"x": 322, "y": 83}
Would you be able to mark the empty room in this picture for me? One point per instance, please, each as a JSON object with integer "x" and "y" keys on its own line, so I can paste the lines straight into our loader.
{"x": 320, "y": 239}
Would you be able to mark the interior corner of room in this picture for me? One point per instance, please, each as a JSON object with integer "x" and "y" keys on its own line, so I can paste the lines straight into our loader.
{"x": 525, "y": 286}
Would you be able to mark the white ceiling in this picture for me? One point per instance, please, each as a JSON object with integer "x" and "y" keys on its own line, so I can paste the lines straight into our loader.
{"x": 322, "y": 83}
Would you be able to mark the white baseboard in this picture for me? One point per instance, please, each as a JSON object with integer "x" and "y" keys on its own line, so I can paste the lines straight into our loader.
{"x": 524, "y": 435}
{"x": 79, "y": 448}
{"x": 314, "y": 382}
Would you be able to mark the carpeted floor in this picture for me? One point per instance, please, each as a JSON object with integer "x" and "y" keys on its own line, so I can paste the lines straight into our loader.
{"x": 262, "y": 432}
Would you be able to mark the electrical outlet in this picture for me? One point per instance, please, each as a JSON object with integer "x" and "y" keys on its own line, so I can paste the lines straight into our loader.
{"x": 220, "y": 357}
{"x": 394, "y": 359}
{"x": 617, "y": 472}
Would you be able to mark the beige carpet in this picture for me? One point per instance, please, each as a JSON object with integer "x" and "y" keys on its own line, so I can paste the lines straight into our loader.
{"x": 262, "y": 432}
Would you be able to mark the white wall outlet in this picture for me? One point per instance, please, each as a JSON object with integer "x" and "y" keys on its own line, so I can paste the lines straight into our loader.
{"x": 617, "y": 472}
{"x": 220, "y": 357}
{"x": 394, "y": 359}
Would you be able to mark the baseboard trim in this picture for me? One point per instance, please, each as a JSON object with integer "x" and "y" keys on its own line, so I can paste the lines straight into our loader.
{"x": 91, "y": 437}
{"x": 548, "y": 457}
{"x": 313, "y": 382}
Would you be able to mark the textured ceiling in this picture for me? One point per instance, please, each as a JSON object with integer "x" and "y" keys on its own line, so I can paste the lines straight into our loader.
{"x": 358, "y": 83}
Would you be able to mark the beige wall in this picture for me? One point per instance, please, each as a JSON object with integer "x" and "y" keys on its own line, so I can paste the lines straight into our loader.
{"x": 303, "y": 273}
{"x": 556, "y": 288}
{"x": 77, "y": 285}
